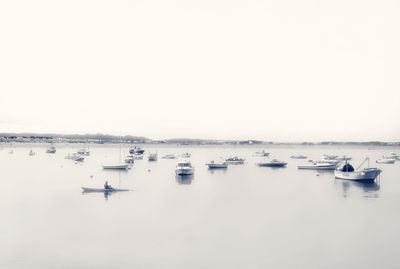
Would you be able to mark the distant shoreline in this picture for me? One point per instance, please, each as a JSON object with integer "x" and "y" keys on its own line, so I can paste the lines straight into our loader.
{"x": 7, "y": 138}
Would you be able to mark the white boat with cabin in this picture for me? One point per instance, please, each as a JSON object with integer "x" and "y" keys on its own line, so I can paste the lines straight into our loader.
{"x": 184, "y": 168}
{"x": 51, "y": 150}
{"x": 386, "y": 161}
{"x": 235, "y": 160}
{"x": 152, "y": 157}
{"x": 272, "y": 163}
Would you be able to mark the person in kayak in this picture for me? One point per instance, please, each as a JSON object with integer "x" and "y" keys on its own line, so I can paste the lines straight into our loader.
{"x": 106, "y": 186}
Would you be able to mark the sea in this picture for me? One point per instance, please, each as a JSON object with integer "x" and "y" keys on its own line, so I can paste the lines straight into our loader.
{"x": 245, "y": 216}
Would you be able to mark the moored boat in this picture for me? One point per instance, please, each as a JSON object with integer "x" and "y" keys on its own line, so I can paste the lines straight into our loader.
{"x": 51, "y": 150}
{"x": 235, "y": 160}
{"x": 169, "y": 156}
{"x": 318, "y": 166}
{"x": 184, "y": 168}
{"x": 349, "y": 173}
{"x": 272, "y": 163}
{"x": 217, "y": 165}
{"x": 186, "y": 155}
{"x": 152, "y": 157}
{"x": 386, "y": 161}
{"x": 298, "y": 157}
{"x": 261, "y": 153}
{"x": 116, "y": 167}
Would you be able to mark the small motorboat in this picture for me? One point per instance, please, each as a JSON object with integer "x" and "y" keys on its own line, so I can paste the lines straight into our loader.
{"x": 116, "y": 167}
{"x": 330, "y": 157}
{"x": 386, "y": 161}
{"x": 83, "y": 151}
{"x": 343, "y": 158}
{"x": 79, "y": 158}
{"x": 318, "y": 166}
{"x": 261, "y": 153}
{"x": 169, "y": 156}
{"x": 138, "y": 156}
{"x": 348, "y": 172}
{"x": 136, "y": 150}
{"x": 235, "y": 160}
{"x": 84, "y": 189}
{"x": 298, "y": 157}
{"x": 72, "y": 156}
{"x": 217, "y": 165}
{"x": 184, "y": 168}
{"x": 152, "y": 157}
{"x": 272, "y": 163}
{"x": 31, "y": 153}
{"x": 129, "y": 159}
{"x": 186, "y": 155}
{"x": 51, "y": 150}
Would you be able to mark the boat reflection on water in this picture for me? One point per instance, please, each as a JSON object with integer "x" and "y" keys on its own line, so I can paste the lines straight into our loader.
{"x": 106, "y": 194}
{"x": 184, "y": 180}
{"x": 369, "y": 188}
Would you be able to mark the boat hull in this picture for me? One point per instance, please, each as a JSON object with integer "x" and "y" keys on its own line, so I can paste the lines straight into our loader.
{"x": 184, "y": 171}
{"x": 116, "y": 167}
{"x": 217, "y": 165}
{"x": 317, "y": 167}
{"x": 272, "y": 164}
{"x": 367, "y": 174}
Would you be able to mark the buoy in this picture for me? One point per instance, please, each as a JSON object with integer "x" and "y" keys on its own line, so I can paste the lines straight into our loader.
{"x": 149, "y": 170}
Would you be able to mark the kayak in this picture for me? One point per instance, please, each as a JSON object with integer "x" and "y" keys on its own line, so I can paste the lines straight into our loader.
{"x": 102, "y": 189}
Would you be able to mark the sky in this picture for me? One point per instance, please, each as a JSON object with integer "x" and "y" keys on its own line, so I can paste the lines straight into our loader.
{"x": 283, "y": 70}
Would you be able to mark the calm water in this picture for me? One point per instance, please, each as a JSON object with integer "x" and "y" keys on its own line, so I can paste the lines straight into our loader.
{"x": 244, "y": 217}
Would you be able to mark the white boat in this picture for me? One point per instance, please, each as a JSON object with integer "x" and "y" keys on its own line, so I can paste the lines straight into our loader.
{"x": 348, "y": 172}
{"x": 116, "y": 167}
{"x": 83, "y": 151}
{"x": 152, "y": 157}
{"x": 51, "y": 150}
{"x": 330, "y": 157}
{"x": 169, "y": 156}
{"x": 129, "y": 159}
{"x": 136, "y": 150}
{"x": 184, "y": 168}
{"x": 298, "y": 157}
{"x": 186, "y": 155}
{"x": 79, "y": 158}
{"x": 217, "y": 165}
{"x": 343, "y": 158}
{"x": 72, "y": 156}
{"x": 102, "y": 189}
{"x": 386, "y": 161}
{"x": 235, "y": 160}
{"x": 261, "y": 153}
{"x": 272, "y": 163}
{"x": 137, "y": 156}
{"x": 31, "y": 153}
{"x": 11, "y": 152}
{"x": 318, "y": 166}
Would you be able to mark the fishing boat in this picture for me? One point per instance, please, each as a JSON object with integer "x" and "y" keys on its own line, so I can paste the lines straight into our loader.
{"x": 272, "y": 163}
{"x": 235, "y": 160}
{"x": 386, "y": 161}
{"x": 169, "y": 156}
{"x": 261, "y": 153}
{"x": 152, "y": 157}
{"x": 51, "y": 150}
{"x": 348, "y": 172}
{"x": 184, "y": 168}
{"x": 217, "y": 165}
{"x": 116, "y": 167}
{"x": 85, "y": 189}
{"x": 318, "y": 166}
{"x": 298, "y": 157}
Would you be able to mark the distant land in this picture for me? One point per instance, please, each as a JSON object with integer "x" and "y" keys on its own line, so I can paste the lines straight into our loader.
{"x": 129, "y": 139}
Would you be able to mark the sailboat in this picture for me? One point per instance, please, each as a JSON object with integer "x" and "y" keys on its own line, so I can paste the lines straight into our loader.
{"x": 118, "y": 166}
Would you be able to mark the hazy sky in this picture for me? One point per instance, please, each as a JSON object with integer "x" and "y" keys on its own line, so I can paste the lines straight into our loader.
{"x": 273, "y": 70}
